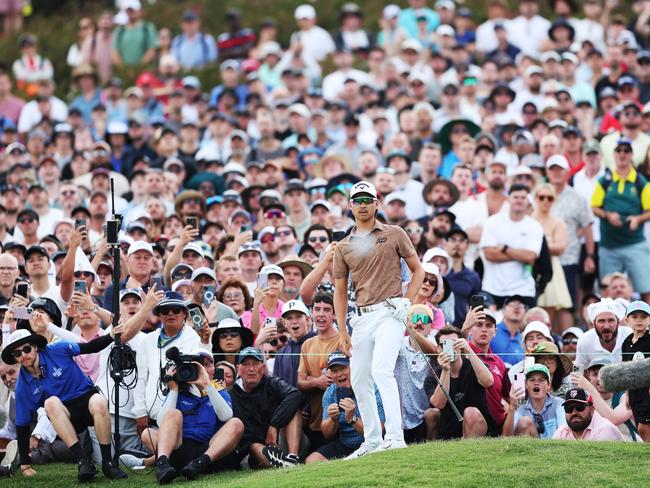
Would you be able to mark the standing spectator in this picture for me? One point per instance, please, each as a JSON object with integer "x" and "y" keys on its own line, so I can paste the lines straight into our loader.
{"x": 351, "y": 35}
{"x": 238, "y": 41}
{"x": 622, "y": 201}
{"x": 583, "y": 422}
{"x": 629, "y": 115}
{"x": 10, "y": 105}
{"x": 31, "y": 67}
{"x": 464, "y": 282}
{"x": 528, "y": 31}
{"x": 98, "y": 49}
{"x": 511, "y": 243}
{"x": 408, "y": 18}
{"x": 314, "y": 41}
{"x": 134, "y": 43}
{"x": 508, "y": 342}
{"x": 193, "y": 48}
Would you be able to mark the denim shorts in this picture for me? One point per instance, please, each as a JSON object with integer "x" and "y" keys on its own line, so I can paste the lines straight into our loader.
{"x": 633, "y": 260}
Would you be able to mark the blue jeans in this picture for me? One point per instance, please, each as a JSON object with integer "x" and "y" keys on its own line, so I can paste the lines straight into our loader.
{"x": 633, "y": 260}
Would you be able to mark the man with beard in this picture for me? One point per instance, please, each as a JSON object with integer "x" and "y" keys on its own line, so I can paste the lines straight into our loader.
{"x": 368, "y": 164}
{"x": 582, "y": 420}
{"x": 12, "y": 203}
{"x": 439, "y": 226}
{"x": 440, "y": 193}
{"x": 511, "y": 243}
{"x": 295, "y": 270}
{"x": 494, "y": 197}
{"x": 607, "y": 336}
{"x": 629, "y": 115}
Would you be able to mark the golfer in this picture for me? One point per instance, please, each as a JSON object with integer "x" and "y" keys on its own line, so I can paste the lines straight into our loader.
{"x": 372, "y": 255}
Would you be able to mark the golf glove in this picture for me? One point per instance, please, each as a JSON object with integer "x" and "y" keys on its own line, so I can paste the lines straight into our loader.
{"x": 401, "y": 309}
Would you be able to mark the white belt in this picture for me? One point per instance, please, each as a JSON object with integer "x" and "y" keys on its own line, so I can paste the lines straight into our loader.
{"x": 372, "y": 308}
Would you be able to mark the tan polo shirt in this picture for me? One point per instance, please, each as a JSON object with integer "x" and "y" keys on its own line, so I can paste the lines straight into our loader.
{"x": 374, "y": 262}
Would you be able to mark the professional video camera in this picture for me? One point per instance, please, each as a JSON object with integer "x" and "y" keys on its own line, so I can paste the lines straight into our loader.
{"x": 186, "y": 370}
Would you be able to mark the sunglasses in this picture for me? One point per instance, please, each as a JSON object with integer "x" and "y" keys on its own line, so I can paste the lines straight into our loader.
{"x": 274, "y": 214}
{"x": 319, "y": 239}
{"x": 545, "y": 198}
{"x": 363, "y": 201}
{"x": 579, "y": 408}
{"x": 283, "y": 233}
{"x": 267, "y": 238}
{"x": 282, "y": 339}
{"x": 182, "y": 275}
{"x": 566, "y": 342}
{"x": 631, "y": 113}
{"x": 196, "y": 201}
{"x": 539, "y": 423}
{"x": 167, "y": 310}
{"x": 420, "y": 317}
{"x": 233, "y": 296}
{"x": 23, "y": 350}
{"x": 625, "y": 150}
{"x": 82, "y": 274}
{"x": 431, "y": 281}
{"x": 317, "y": 190}
{"x": 411, "y": 230}
{"x": 229, "y": 335}
{"x": 23, "y": 220}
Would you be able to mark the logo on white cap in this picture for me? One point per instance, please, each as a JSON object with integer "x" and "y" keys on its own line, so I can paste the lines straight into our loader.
{"x": 363, "y": 187}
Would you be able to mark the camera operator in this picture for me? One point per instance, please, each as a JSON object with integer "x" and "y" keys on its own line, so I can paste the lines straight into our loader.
{"x": 198, "y": 432}
{"x": 49, "y": 377}
{"x": 173, "y": 332}
{"x": 268, "y": 406}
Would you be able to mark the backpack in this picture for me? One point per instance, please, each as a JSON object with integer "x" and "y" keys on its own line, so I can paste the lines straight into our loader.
{"x": 120, "y": 34}
{"x": 608, "y": 178}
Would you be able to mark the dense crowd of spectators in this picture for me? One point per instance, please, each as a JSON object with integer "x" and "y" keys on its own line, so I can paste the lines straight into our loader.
{"x": 514, "y": 151}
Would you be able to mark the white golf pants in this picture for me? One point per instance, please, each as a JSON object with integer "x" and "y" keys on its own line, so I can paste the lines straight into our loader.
{"x": 376, "y": 341}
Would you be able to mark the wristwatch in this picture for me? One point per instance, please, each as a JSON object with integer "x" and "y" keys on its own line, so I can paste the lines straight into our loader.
{"x": 505, "y": 249}
{"x": 354, "y": 420}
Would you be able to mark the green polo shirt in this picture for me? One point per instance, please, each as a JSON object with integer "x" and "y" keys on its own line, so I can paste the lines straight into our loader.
{"x": 133, "y": 41}
{"x": 622, "y": 196}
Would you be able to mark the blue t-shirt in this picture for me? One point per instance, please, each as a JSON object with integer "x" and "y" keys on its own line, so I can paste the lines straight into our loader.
{"x": 348, "y": 436}
{"x": 200, "y": 422}
{"x": 552, "y": 415}
{"x": 61, "y": 377}
{"x": 508, "y": 348}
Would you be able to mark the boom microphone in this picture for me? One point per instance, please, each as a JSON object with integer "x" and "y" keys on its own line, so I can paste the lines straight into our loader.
{"x": 172, "y": 353}
{"x": 626, "y": 376}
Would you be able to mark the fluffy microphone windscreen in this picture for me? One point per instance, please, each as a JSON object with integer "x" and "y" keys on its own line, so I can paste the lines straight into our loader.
{"x": 626, "y": 376}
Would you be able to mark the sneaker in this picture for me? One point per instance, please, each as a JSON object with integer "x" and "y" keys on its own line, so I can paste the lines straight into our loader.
{"x": 112, "y": 472}
{"x": 165, "y": 473}
{"x": 360, "y": 452}
{"x": 194, "y": 469}
{"x": 5, "y": 472}
{"x": 278, "y": 458}
{"x": 131, "y": 461}
{"x": 391, "y": 444}
{"x": 11, "y": 459}
{"x": 86, "y": 470}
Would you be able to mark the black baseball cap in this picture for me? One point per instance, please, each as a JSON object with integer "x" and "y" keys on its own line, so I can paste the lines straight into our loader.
{"x": 457, "y": 230}
{"x": 444, "y": 211}
{"x": 514, "y": 298}
{"x": 36, "y": 249}
{"x": 577, "y": 395}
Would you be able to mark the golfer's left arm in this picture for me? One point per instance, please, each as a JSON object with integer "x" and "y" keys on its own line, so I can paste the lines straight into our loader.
{"x": 417, "y": 276}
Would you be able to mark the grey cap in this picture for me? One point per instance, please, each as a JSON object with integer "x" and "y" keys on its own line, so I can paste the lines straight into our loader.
{"x": 591, "y": 146}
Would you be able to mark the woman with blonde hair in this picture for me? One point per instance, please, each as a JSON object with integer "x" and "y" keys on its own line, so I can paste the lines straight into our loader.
{"x": 556, "y": 295}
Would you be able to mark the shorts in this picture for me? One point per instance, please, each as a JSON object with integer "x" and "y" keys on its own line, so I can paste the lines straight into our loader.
{"x": 633, "y": 259}
{"x": 191, "y": 449}
{"x": 335, "y": 450}
{"x": 640, "y": 405}
{"x": 80, "y": 416}
{"x": 416, "y": 435}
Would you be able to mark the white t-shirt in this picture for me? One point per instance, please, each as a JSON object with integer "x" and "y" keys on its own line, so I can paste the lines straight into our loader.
{"x": 528, "y": 34}
{"x": 510, "y": 277}
{"x": 470, "y": 213}
{"x": 316, "y": 42}
{"x": 334, "y": 82}
{"x": 589, "y": 347}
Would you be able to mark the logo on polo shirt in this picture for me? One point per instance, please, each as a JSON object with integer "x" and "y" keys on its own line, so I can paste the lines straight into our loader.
{"x": 57, "y": 372}
{"x": 382, "y": 240}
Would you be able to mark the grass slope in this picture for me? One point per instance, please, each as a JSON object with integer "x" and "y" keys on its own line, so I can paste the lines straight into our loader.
{"x": 506, "y": 462}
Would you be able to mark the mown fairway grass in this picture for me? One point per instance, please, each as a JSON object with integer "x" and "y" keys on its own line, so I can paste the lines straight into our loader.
{"x": 487, "y": 462}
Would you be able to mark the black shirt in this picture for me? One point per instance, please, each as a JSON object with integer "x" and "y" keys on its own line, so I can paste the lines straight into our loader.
{"x": 465, "y": 391}
{"x": 642, "y": 344}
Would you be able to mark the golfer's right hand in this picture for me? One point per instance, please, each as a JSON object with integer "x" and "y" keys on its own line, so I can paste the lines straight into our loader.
{"x": 345, "y": 342}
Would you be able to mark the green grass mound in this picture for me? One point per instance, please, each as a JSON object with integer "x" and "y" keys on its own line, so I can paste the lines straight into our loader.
{"x": 486, "y": 462}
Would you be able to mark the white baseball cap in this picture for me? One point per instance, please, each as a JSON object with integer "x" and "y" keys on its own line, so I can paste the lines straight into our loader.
{"x": 557, "y": 160}
{"x": 537, "y": 326}
{"x": 363, "y": 187}
{"x": 305, "y": 12}
{"x": 140, "y": 246}
{"x": 391, "y": 11}
{"x": 294, "y": 306}
{"x": 270, "y": 269}
{"x": 203, "y": 271}
{"x": 576, "y": 331}
{"x": 193, "y": 246}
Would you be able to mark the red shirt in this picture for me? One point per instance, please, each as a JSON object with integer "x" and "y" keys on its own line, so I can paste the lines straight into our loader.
{"x": 501, "y": 387}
